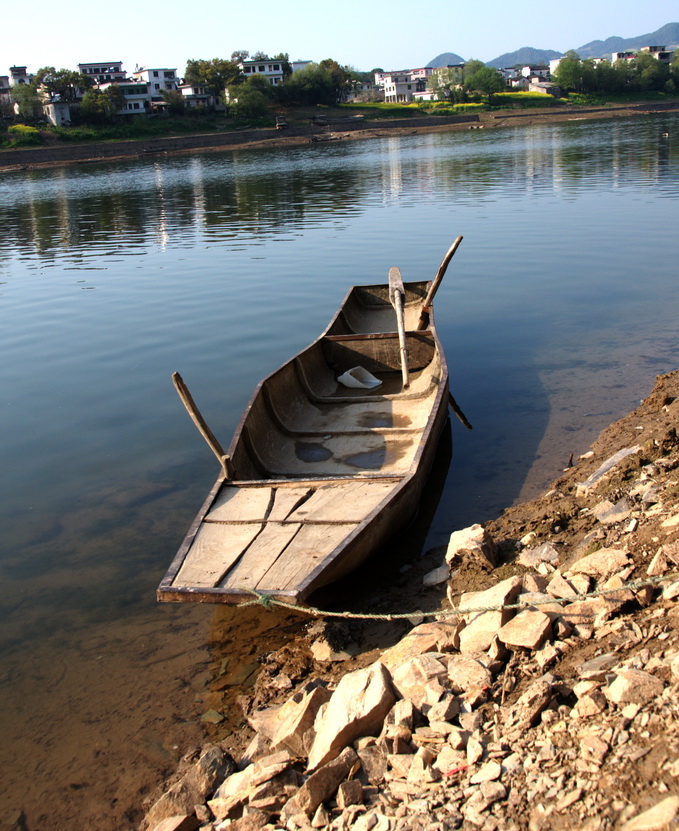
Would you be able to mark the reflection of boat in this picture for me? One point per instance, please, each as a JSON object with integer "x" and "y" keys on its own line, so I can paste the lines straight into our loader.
{"x": 319, "y": 474}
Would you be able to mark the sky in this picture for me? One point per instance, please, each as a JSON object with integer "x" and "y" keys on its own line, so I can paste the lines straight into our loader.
{"x": 362, "y": 35}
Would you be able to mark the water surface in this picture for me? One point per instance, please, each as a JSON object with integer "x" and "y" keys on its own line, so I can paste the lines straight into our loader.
{"x": 557, "y": 312}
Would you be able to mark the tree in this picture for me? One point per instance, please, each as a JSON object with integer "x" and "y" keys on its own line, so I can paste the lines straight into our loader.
{"x": 486, "y": 80}
{"x": 101, "y": 106}
{"x": 650, "y": 73}
{"x": 27, "y": 99}
{"x": 340, "y": 77}
{"x": 446, "y": 83}
{"x": 216, "y": 74}
{"x": 568, "y": 73}
{"x": 240, "y": 55}
{"x": 310, "y": 86}
{"x": 251, "y": 102}
{"x": 260, "y": 56}
{"x": 175, "y": 101}
{"x": 66, "y": 83}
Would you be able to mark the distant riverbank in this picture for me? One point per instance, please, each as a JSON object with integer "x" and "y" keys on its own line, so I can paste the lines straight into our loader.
{"x": 60, "y": 154}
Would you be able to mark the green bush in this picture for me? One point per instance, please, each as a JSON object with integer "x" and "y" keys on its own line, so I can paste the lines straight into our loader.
{"x": 21, "y": 135}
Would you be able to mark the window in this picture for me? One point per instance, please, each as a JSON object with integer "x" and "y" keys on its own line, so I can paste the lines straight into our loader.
{"x": 276, "y": 67}
{"x": 261, "y": 68}
{"x": 155, "y": 74}
{"x": 169, "y": 74}
{"x": 168, "y": 86}
{"x": 156, "y": 86}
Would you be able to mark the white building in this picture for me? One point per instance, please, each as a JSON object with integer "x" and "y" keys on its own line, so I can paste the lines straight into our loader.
{"x": 19, "y": 75}
{"x": 196, "y": 95}
{"x": 103, "y": 71}
{"x": 158, "y": 80}
{"x": 297, "y": 65}
{"x": 270, "y": 69}
{"x": 137, "y": 96}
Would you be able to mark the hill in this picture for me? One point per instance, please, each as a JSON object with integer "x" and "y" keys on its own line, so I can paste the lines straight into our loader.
{"x": 667, "y": 35}
{"x": 524, "y": 57}
{"x": 446, "y": 59}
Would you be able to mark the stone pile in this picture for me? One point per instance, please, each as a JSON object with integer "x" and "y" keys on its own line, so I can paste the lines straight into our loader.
{"x": 540, "y": 701}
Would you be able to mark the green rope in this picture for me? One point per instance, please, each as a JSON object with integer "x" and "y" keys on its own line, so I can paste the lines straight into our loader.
{"x": 268, "y": 601}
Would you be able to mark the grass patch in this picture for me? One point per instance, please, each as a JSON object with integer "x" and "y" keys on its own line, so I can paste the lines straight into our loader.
{"x": 524, "y": 99}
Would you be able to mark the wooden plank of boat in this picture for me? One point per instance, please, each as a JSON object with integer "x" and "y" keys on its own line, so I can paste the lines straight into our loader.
{"x": 319, "y": 474}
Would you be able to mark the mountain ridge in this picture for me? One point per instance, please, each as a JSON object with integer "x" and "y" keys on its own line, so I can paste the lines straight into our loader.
{"x": 667, "y": 35}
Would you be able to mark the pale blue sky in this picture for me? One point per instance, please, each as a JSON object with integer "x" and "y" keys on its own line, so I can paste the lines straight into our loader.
{"x": 363, "y": 35}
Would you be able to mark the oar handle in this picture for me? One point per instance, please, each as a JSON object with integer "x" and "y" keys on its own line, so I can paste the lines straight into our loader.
{"x": 396, "y": 295}
{"x": 201, "y": 424}
{"x": 428, "y": 300}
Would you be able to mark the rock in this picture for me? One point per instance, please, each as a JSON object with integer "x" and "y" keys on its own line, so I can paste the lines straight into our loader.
{"x": 232, "y": 793}
{"x": 321, "y": 785}
{"x": 529, "y": 629}
{"x": 482, "y": 627}
{"x": 197, "y": 783}
{"x": 438, "y": 636}
{"x": 608, "y": 513}
{"x": 436, "y": 576}
{"x": 357, "y": 708}
{"x": 411, "y": 678}
{"x": 601, "y": 563}
{"x": 596, "y": 668}
{"x": 530, "y": 705}
{"x": 284, "y": 726}
{"x": 488, "y": 773}
{"x": 466, "y": 672}
{"x": 591, "y": 704}
{"x": 607, "y": 466}
{"x": 658, "y": 564}
{"x": 444, "y": 710}
{"x": 474, "y": 542}
{"x": 560, "y": 587}
{"x": 349, "y": 793}
{"x": 475, "y": 750}
{"x": 593, "y": 749}
{"x": 582, "y": 614}
{"x": 324, "y": 653}
{"x": 182, "y": 822}
{"x": 671, "y": 591}
{"x": 545, "y": 553}
{"x": 634, "y": 686}
{"x": 270, "y": 796}
{"x": 374, "y": 764}
{"x": 657, "y": 817}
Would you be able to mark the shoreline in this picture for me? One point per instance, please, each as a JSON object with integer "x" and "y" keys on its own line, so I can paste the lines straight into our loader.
{"x": 63, "y": 154}
{"x": 562, "y": 714}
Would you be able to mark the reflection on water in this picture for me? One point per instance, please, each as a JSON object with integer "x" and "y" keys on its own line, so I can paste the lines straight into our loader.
{"x": 556, "y": 313}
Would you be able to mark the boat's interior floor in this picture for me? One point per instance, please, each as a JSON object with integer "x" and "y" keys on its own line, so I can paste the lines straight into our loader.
{"x": 269, "y": 538}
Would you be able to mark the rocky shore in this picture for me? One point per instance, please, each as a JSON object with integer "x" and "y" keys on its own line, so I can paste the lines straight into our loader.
{"x": 542, "y": 693}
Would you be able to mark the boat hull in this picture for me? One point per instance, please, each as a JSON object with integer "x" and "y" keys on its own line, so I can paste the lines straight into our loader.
{"x": 324, "y": 475}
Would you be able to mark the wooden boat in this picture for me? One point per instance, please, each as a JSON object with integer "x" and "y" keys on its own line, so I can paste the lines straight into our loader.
{"x": 318, "y": 474}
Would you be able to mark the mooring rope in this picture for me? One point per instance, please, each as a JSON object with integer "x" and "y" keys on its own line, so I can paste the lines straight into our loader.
{"x": 267, "y": 600}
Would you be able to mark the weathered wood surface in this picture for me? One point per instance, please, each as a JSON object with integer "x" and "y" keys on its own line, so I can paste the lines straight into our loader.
{"x": 320, "y": 473}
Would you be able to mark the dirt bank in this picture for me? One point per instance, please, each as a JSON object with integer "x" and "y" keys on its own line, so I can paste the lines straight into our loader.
{"x": 575, "y": 725}
{"x": 59, "y": 154}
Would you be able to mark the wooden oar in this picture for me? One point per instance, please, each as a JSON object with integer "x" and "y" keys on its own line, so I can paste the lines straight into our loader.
{"x": 396, "y": 295}
{"x": 424, "y": 314}
{"x": 199, "y": 421}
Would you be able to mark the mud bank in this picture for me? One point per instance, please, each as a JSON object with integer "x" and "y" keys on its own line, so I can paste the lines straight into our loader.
{"x": 57, "y": 155}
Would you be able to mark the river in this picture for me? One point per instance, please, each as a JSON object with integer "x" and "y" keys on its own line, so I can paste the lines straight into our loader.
{"x": 558, "y": 310}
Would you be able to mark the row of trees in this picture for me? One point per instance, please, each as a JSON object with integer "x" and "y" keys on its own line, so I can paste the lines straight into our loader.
{"x": 642, "y": 74}
{"x": 455, "y": 83}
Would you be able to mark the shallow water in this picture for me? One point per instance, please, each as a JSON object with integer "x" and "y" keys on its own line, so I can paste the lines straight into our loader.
{"x": 556, "y": 313}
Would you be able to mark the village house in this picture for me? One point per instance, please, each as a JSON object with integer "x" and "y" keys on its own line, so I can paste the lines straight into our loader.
{"x": 272, "y": 70}
{"x": 103, "y": 71}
